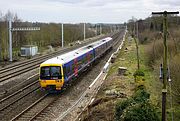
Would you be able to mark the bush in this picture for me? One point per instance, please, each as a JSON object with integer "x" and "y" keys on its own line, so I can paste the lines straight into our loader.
{"x": 138, "y": 73}
{"x": 140, "y": 112}
{"x": 136, "y": 108}
{"x": 120, "y": 106}
{"x": 139, "y": 77}
{"x": 141, "y": 96}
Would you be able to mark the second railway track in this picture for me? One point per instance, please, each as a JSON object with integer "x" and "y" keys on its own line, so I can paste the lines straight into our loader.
{"x": 36, "y": 108}
{"x": 25, "y": 66}
{"x": 12, "y": 101}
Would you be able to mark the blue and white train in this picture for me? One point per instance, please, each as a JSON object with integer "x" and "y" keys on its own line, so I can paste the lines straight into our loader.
{"x": 56, "y": 72}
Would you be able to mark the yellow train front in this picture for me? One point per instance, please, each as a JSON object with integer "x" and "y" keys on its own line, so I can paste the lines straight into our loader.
{"x": 51, "y": 76}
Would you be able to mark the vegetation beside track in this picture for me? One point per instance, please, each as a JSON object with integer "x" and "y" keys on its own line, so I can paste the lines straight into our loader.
{"x": 120, "y": 91}
{"x": 151, "y": 51}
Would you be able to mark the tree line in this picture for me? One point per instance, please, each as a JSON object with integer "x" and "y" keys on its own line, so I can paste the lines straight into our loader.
{"x": 49, "y": 34}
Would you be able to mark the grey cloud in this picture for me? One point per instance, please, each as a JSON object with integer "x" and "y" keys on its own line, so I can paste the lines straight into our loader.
{"x": 92, "y": 3}
{"x": 168, "y": 2}
{"x": 67, "y": 1}
{"x": 101, "y": 3}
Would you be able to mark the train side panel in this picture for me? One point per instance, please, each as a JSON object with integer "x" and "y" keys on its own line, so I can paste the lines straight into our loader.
{"x": 102, "y": 48}
{"x": 76, "y": 66}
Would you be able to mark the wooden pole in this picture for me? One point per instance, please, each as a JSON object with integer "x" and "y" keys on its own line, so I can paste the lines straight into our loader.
{"x": 164, "y": 89}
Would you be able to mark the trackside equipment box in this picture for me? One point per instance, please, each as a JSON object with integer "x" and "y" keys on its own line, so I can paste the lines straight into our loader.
{"x": 29, "y": 50}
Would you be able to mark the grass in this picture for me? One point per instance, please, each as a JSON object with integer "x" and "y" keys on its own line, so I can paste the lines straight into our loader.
{"x": 126, "y": 84}
{"x": 153, "y": 84}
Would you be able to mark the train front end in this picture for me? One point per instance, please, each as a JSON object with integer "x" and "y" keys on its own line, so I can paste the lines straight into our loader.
{"x": 51, "y": 76}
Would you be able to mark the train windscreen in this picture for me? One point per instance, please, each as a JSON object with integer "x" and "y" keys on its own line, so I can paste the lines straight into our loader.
{"x": 50, "y": 72}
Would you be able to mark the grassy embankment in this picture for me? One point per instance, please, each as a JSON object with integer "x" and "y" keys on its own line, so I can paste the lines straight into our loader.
{"x": 116, "y": 88}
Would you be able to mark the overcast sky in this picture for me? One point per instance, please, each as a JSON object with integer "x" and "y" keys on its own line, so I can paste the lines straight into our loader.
{"x": 93, "y": 11}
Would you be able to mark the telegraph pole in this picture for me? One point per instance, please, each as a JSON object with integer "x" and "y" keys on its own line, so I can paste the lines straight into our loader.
{"x": 137, "y": 24}
{"x": 164, "y": 89}
{"x": 135, "y": 36}
{"x": 137, "y": 45}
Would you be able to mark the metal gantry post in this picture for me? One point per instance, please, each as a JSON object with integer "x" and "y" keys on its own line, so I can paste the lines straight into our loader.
{"x": 10, "y": 40}
{"x": 164, "y": 88}
{"x": 96, "y": 30}
{"x": 84, "y": 31}
{"x": 100, "y": 29}
{"x": 0, "y": 46}
{"x": 62, "y": 37}
{"x": 11, "y": 29}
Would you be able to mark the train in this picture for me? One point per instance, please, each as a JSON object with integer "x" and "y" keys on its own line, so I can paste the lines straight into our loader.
{"x": 54, "y": 73}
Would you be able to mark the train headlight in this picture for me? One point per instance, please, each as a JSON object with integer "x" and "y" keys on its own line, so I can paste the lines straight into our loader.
{"x": 57, "y": 80}
{"x": 43, "y": 81}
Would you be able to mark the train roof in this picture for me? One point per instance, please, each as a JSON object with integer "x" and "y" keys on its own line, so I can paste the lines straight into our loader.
{"x": 64, "y": 58}
{"x": 100, "y": 42}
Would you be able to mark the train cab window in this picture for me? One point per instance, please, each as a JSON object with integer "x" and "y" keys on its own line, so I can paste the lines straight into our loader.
{"x": 55, "y": 71}
{"x": 50, "y": 72}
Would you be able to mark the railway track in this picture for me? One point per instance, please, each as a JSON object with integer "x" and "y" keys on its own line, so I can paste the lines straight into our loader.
{"x": 25, "y": 66}
{"x": 10, "y": 102}
{"x": 32, "y": 111}
{"x": 23, "y": 63}
{"x": 86, "y": 98}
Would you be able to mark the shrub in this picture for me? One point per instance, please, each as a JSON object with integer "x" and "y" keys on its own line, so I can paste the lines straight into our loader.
{"x": 141, "y": 96}
{"x": 120, "y": 106}
{"x": 140, "y": 112}
{"x": 139, "y": 77}
{"x": 138, "y": 73}
{"x": 136, "y": 108}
